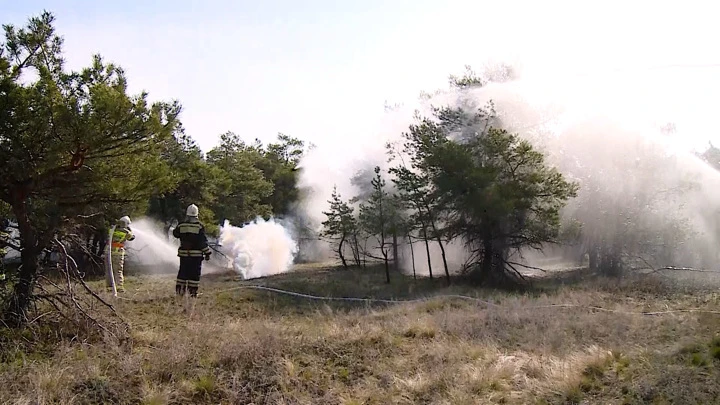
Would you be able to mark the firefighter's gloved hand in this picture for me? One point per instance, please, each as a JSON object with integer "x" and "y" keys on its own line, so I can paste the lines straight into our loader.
{"x": 207, "y": 257}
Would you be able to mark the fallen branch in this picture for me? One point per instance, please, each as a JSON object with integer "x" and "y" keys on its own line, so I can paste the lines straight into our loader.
{"x": 89, "y": 216}
{"x": 77, "y": 305}
{"x": 52, "y": 300}
{"x": 41, "y": 277}
{"x": 526, "y": 266}
{"x": 515, "y": 273}
{"x": 66, "y": 298}
{"x": 84, "y": 284}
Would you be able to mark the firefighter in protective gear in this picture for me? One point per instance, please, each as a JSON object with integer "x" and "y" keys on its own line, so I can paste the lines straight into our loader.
{"x": 193, "y": 248}
{"x": 122, "y": 234}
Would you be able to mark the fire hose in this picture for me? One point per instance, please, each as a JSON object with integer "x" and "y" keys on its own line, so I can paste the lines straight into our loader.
{"x": 457, "y": 296}
{"x": 108, "y": 264}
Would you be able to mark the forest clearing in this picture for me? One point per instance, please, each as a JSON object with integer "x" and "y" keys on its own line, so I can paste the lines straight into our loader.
{"x": 555, "y": 345}
{"x": 488, "y": 242}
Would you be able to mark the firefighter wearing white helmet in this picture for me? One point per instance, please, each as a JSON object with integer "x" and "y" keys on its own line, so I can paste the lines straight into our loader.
{"x": 122, "y": 234}
{"x": 193, "y": 248}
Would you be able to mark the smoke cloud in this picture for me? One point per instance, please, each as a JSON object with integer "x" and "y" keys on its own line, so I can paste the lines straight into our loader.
{"x": 625, "y": 139}
{"x": 622, "y": 136}
{"x": 257, "y": 249}
{"x": 260, "y": 248}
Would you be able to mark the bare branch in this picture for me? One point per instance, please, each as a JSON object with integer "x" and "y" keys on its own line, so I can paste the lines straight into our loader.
{"x": 83, "y": 283}
{"x": 525, "y": 266}
{"x": 90, "y": 216}
{"x": 515, "y": 272}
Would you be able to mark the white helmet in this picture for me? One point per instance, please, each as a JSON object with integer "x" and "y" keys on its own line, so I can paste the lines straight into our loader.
{"x": 192, "y": 210}
{"x": 125, "y": 220}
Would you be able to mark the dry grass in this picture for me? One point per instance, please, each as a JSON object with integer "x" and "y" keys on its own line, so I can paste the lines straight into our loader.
{"x": 250, "y": 346}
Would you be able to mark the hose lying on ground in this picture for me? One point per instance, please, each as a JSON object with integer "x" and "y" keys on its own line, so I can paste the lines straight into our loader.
{"x": 458, "y": 296}
{"x": 465, "y": 297}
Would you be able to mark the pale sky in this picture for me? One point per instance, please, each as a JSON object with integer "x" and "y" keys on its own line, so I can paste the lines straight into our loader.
{"x": 322, "y": 70}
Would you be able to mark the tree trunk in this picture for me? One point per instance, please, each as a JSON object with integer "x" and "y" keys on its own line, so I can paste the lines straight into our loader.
{"x": 487, "y": 263}
{"x": 356, "y": 250}
{"x": 396, "y": 262}
{"x": 364, "y": 255}
{"x": 610, "y": 264}
{"x": 593, "y": 257}
{"x": 412, "y": 256}
{"x": 493, "y": 265}
{"x": 580, "y": 255}
{"x": 22, "y": 291}
{"x": 352, "y": 250}
{"x": 436, "y": 234}
{"x": 427, "y": 250}
{"x": 442, "y": 252}
{"x": 340, "y": 252}
{"x": 387, "y": 265}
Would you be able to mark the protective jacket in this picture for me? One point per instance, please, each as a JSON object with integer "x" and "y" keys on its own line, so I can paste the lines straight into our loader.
{"x": 193, "y": 241}
{"x": 119, "y": 237}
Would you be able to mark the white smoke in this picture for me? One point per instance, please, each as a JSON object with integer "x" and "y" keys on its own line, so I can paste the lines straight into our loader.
{"x": 258, "y": 249}
{"x": 562, "y": 116}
